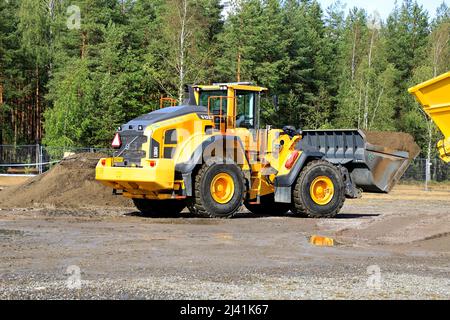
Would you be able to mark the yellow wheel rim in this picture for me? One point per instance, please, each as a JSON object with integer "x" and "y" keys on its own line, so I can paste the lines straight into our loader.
{"x": 322, "y": 190}
{"x": 222, "y": 188}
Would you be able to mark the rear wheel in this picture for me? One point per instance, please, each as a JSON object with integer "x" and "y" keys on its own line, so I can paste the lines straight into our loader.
{"x": 219, "y": 190}
{"x": 319, "y": 191}
{"x": 268, "y": 206}
{"x": 159, "y": 208}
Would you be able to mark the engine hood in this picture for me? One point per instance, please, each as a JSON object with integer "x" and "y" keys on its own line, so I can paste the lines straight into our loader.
{"x": 162, "y": 115}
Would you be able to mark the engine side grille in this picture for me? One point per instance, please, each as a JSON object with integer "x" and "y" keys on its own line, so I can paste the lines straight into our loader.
{"x": 131, "y": 150}
{"x": 170, "y": 143}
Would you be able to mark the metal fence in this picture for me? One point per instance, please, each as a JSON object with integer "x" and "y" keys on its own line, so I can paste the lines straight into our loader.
{"x": 439, "y": 171}
{"x": 35, "y": 159}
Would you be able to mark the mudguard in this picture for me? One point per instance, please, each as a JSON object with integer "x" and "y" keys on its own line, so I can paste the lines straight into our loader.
{"x": 283, "y": 184}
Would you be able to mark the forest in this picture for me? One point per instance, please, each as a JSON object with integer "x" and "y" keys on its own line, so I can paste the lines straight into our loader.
{"x": 72, "y": 71}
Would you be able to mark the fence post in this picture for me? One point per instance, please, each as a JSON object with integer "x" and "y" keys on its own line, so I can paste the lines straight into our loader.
{"x": 40, "y": 159}
{"x": 427, "y": 172}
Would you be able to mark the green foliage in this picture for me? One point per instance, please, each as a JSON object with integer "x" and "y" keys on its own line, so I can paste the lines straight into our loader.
{"x": 68, "y": 123}
{"x": 329, "y": 67}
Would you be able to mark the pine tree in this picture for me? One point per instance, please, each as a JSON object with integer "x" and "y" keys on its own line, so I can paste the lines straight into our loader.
{"x": 84, "y": 84}
{"x": 439, "y": 41}
{"x": 34, "y": 27}
{"x": 437, "y": 61}
{"x": 351, "y": 53}
{"x": 180, "y": 53}
{"x": 406, "y": 44}
{"x": 327, "y": 69}
{"x": 303, "y": 47}
{"x": 10, "y": 68}
{"x": 251, "y": 45}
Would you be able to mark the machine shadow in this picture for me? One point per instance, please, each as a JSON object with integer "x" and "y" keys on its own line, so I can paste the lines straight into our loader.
{"x": 188, "y": 215}
{"x": 356, "y": 215}
{"x": 248, "y": 215}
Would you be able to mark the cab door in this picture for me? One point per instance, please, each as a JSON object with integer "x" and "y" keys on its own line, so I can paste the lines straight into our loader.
{"x": 247, "y": 109}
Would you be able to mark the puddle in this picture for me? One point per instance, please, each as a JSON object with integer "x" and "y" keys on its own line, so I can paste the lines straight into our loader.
{"x": 6, "y": 233}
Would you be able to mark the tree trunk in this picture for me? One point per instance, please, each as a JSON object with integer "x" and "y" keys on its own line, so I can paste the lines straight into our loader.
{"x": 238, "y": 71}
{"x": 37, "y": 129}
{"x": 83, "y": 44}
{"x": 366, "y": 99}
{"x": 360, "y": 105}
{"x": 181, "y": 61}
{"x": 16, "y": 118}
{"x": 1, "y": 117}
{"x": 354, "y": 53}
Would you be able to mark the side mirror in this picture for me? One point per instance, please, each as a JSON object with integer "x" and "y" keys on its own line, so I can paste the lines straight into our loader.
{"x": 275, "y": 103}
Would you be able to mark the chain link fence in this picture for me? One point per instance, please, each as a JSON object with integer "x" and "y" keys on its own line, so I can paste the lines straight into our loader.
{"x": 439, "y": 171}
{"x": 36, "y": 159}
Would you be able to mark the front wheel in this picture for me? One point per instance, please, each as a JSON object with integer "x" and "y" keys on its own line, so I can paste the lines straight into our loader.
{"x": 219, "y": 190}
{"x": 319, "y": 191}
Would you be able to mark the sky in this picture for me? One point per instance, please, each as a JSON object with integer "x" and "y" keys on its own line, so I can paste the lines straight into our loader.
{"x": 384, "y": 7}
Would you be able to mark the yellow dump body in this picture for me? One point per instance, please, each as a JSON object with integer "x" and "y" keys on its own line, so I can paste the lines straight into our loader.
{"x": 434, "y": 95}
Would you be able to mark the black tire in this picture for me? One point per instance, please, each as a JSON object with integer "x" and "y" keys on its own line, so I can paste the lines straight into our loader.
{"x": 160, "y": 208}
{"x": 268, "y": 206}
{"x": 304, "y": 205}
{"x": 203, "y": 203}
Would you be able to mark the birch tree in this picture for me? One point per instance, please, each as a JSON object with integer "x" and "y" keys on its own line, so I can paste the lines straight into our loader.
{"x": 374, "y": 27}
{"x": 181, "y": 53}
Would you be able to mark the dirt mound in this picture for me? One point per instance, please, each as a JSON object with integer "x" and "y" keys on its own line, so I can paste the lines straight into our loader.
{"x": 394, "y": 140}
{"x": 70, "y": 184}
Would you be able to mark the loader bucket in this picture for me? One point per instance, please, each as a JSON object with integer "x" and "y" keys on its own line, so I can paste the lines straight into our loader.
{"x": 375, "y": 160}
{"x": 434, "y": 96}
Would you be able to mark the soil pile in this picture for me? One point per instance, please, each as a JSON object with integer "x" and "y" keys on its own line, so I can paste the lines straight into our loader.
{"x": 394, "y": 140}
{"x": 70, "y": 184}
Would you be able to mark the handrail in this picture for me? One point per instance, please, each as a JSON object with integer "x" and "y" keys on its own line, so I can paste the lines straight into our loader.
{"x": 162, "y": 100}
{"x": 220, "y": 116}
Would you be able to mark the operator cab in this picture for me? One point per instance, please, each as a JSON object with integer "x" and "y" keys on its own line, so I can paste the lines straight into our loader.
{"x": 232, "y": 105}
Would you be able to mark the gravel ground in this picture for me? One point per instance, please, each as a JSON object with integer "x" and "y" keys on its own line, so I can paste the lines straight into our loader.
{"x": 388, "y": 247}
{"x": 392, "y": 286}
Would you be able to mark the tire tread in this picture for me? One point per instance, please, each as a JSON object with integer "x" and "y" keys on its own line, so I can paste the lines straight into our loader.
{"x": 300, "y": 208}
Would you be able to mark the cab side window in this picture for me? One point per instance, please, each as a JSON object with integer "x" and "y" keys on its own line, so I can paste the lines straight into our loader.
{"x": 245, "y": 109}
{"x": 215, "y": 103}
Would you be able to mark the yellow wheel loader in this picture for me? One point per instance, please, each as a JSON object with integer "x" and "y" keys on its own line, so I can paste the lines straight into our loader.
{"x": 211, "y": 156}
{"x": 434, "y": 95}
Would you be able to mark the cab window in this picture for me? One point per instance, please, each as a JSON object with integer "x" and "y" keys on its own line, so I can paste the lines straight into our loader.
{"x": 214, "y": 102}
{"x": 245, "y": 109}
